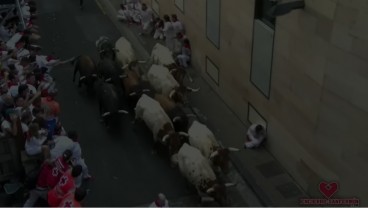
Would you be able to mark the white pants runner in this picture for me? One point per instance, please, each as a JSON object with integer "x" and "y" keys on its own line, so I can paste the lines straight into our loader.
{"x": 34, "y": 195}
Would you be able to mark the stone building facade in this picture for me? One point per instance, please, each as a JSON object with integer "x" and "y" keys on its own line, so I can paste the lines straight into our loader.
{"x": 305, "y": 78}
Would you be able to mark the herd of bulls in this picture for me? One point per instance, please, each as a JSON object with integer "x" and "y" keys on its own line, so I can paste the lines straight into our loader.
{"x": 158, "y": 97}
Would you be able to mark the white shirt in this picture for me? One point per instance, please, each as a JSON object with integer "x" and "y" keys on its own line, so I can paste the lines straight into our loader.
{"x": 146, "y": 16}
{"x": 169, "y": 30}
{"x": 22, "y": 53}
{"x": 5, "y": 125}
{"x": 13, "y": 91}
{"x": 255, "y": 140}
{"x": 77, "y": 151}
{"x": 178, "y": 27}
{"x": 33, "y": 145}
{"x": 13, "y": 40}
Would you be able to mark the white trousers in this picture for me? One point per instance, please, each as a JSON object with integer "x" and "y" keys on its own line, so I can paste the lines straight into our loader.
{"x": 34, "y": 195}
{"x": 170, "y": 43}
{"x": 158, "y": 34}
{"x": 183, "y": 60}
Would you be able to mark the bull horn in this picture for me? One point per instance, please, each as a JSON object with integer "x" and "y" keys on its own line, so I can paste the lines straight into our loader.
{"x": 125, "y": 66}
{"x": 146, "y": 90}
{"x": 165, "y": 138}
{"x": 210, "y": 190}
{"x": 193, "y": 90}
{"x": 108, "y": 80}
{"x": 142, "y": 62}
{"x": 123, "y": 76}
{"x": 82, "y": 78}
{"x": 214, "y": 154}
{"x": 132, "y": 94}
{"x": 176, "y": 118}
{"x": 207, "y": 199}
{"x": 171, "y": 94}
{"x": 123, "y": 111}
{"x": 232, "y": 149}
{"x": 101, "y": 51}
{"x": 183, "y": 134}
{"x": 94, "y": 75}
{"x": 229, "y": 184}
{"x": 105, "y": 114}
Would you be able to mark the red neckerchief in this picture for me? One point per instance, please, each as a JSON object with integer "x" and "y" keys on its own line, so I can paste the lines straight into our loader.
{"x": 187, "y": 46}
{"x": 157, "y": 203}
{"x": 49, "y": 98}
{"x": 50, "y": 58}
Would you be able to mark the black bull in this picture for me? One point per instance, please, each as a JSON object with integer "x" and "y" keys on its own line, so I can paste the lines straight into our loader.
{"x": 110, "y": 71}
{"x": 87, "y": 72}
{"x": 109, "y": 103}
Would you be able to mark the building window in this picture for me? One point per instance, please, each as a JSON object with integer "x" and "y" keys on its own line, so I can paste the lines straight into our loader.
{"x": 254, "y": 117}
{"x": 263, "y": 42}
{"x": 180, "y": 5}
{"x": 263, "y": 12}
{"x": 213, "y": 10}
{"x": 156, "y": 7}
{"x": 212, "y": 70}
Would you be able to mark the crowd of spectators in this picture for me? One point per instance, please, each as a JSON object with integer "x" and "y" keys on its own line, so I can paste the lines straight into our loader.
{"x": 29, "y": 112}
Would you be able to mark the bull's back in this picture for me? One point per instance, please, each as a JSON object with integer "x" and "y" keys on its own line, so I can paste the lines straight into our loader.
{"x": 165, "y": 102}
{"x": 161, "y": 79}
{"x": 193, "y": 165}
{"x": 202, "y": 138}
{"x": 109, "y": 97}
{"x": 152, "y": 113}
{"x": 125, "y": 52}
{"x": 86, "y": 65}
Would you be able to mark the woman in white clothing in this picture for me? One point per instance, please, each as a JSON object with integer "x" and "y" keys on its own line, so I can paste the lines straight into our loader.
{"x": 34, "y": 142}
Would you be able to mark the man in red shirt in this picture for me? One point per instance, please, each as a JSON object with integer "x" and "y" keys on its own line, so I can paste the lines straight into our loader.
{"x": 65, "y": 186}
{"x": 49, "y": 176}
{"x": 52, "y": 104}
{"x": 74, "y": 199}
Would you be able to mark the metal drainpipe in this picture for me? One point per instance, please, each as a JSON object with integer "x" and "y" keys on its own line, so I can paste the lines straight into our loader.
{"x": 20, "y": 14}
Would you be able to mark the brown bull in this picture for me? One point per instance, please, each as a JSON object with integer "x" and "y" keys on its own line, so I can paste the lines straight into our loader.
{"x": 175, "y": 112}
{"x": 170, "y": 142}
{"x": 134, "y": 87}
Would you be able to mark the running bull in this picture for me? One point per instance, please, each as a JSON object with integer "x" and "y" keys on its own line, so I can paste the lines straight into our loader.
{"x": 164, "y": 83}
{"x": 87, "y": 72}
{"x": 161, "y": 55}
{"x": 162, "y": 128}
{"x": 202, "y": 138}
{"x": 109, "y": 103}
{"x": 197, "y": 170}
{"x": 126, "y": 56}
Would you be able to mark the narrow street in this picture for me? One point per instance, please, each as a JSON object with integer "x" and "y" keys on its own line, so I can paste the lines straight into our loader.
{"x": 125, "y": 171}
